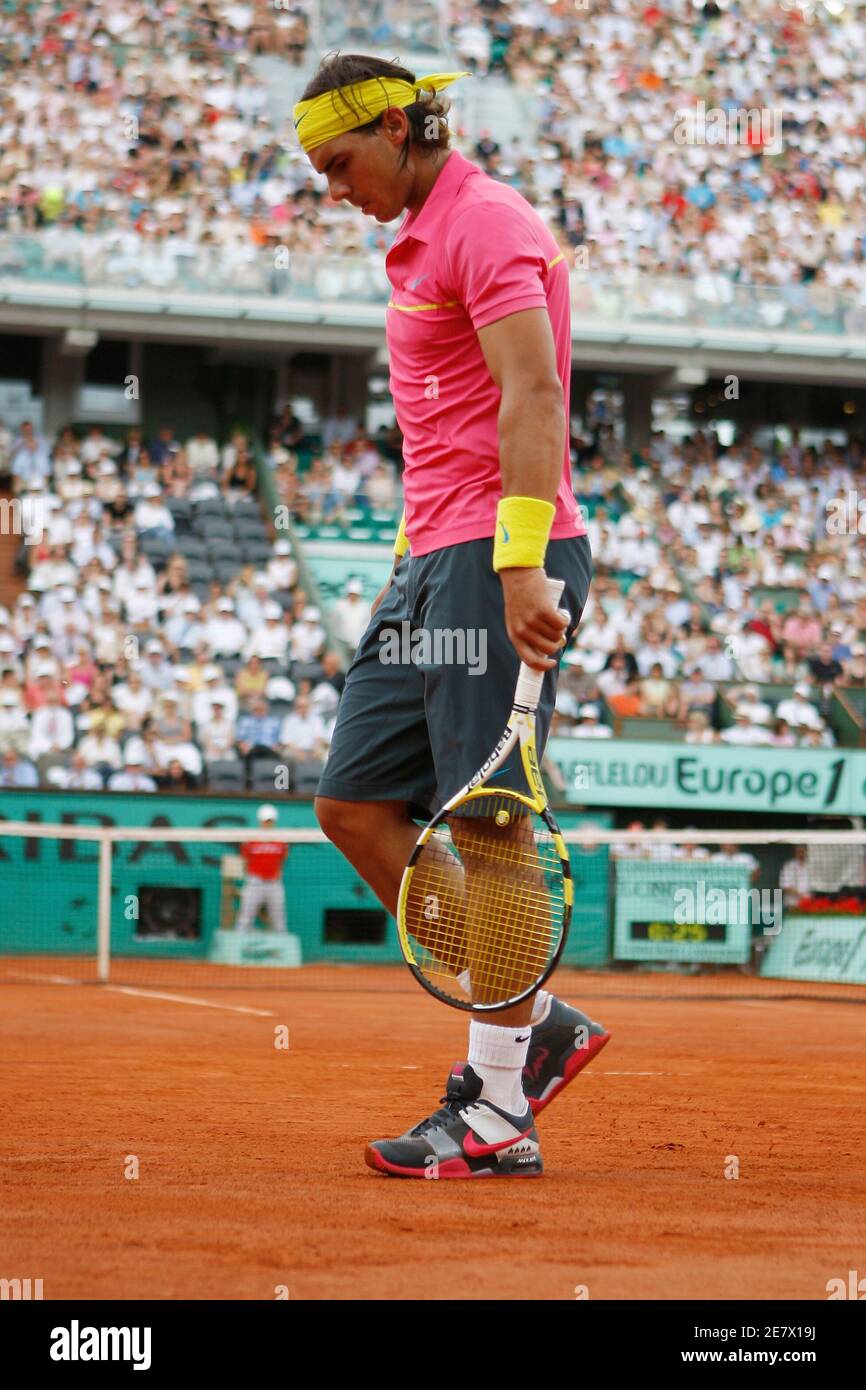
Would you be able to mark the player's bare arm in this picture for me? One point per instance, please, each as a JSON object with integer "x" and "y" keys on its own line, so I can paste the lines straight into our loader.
{"x": 520, "y": 354}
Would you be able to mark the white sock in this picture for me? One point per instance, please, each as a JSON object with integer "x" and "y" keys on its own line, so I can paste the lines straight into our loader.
{"x": 498, "y": 1056}
{"x": 541, "y": 1006}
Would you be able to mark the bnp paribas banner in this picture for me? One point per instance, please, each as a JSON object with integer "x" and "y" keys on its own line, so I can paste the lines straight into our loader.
{"x": 619, "y": 772}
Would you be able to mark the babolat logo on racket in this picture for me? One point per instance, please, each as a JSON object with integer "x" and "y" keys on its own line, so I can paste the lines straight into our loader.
{"x": 488, "y": 762}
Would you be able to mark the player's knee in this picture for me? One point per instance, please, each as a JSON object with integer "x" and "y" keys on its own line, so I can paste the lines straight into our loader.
{"x": 338, "y": 819}
{"x": 352, "y": 822}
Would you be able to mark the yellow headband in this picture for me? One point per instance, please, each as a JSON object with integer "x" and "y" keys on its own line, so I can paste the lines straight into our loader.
{"x": 324, "y": 118}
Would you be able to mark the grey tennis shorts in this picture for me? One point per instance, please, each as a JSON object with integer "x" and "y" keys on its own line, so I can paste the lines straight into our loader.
{"x": 431, "y": 685}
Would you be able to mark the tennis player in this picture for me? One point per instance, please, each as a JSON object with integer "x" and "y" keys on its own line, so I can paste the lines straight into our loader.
{"x": 479, "y": 338}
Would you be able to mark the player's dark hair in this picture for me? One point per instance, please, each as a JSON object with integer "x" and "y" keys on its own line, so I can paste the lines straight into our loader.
{"x": 342, "y": 69}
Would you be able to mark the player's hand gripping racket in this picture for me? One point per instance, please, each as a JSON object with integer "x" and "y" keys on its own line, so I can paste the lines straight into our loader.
{"x": 485, "y": 900}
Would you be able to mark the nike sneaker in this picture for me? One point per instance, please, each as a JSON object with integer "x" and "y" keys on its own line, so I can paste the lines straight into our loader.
{"x": 467, "y": 1138}
{"x": 562, "y": 1044}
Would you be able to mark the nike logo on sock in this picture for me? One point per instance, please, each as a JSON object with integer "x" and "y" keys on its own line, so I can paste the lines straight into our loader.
{"x": 526, "y": 1039}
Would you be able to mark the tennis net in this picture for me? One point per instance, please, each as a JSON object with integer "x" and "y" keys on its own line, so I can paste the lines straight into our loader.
{"x": 162, "y": 907}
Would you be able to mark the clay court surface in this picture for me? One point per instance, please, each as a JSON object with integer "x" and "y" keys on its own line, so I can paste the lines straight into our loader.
{"x": 251, "y": 1158}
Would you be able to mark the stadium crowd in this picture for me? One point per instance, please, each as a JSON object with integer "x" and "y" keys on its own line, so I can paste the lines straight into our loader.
{"x": 719, "y": 571}
{"x": 163, "y": 640}
{"x": 621, "y": 168}
{"x": 163, "y": 635}
{"x": 139, "y": 149}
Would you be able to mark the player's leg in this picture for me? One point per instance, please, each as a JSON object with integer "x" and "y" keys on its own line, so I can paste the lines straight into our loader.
{"x": 507, "y": 910}
{"x": 376, "y": 837}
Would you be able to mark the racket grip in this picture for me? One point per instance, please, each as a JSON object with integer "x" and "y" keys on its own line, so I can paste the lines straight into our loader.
{"x": 530, "y": 681}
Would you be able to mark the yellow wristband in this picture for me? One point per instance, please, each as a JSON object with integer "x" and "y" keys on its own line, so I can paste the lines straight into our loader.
{"x": 522, "y": 531}
{"x": 401, "y": 540}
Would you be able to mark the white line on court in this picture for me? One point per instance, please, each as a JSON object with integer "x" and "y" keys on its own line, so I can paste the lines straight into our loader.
{"x": 146, "y": 994}
{"x": 43, "y": 979}
{"x": 643, "y": 1073}
{"x": 185, "y": 999}
{"x": 773, "y": 1003}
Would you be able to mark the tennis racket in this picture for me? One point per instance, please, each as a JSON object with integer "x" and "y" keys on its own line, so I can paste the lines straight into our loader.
{"x": 486, "y": 897}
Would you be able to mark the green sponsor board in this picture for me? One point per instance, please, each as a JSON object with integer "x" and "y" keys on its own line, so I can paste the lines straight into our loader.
{"x": 818, "y": 948}
{"x": 167, "y": 896}
{"x": 686, "y": 911}
{"x": 49, "y": 885}
{"x": 617, "y": 772}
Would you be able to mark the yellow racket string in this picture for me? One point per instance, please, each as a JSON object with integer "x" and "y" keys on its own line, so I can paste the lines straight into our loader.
{"x": 486, "y": 897}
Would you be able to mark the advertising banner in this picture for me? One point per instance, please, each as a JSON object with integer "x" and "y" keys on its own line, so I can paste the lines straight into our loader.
{"x": 707, "y": 777}
{"x": 819, "y": 948}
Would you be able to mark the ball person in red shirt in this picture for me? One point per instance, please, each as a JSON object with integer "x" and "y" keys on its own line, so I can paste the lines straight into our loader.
{"x": 264, "y": 860}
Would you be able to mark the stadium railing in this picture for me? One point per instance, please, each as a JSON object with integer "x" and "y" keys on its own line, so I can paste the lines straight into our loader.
{"x": 300, "y": 280}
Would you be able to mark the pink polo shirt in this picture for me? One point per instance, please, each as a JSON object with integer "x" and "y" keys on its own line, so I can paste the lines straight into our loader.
{"x": 475, "y": 253}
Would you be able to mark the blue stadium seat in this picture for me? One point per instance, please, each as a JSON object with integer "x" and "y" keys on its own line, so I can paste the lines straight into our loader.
{"x": 219, "y": 540}
{"x": 157, "y": 551}
{"x": 256, "y": 552}
{"x": 306, "y": 671}
{"x": 263, "y": 774}
{"x": 179, "y": 506}
{"x": 210, "y": 506}
{"x": 305, "y": 775}
{"x": 226, "y": 775}
{"x": 199, "y": 571}
{"x": 226, "y": 570}
{"x": 193, "y": 547}
{"x": 210, "y": 524}
{"x": 249, "y": 525}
